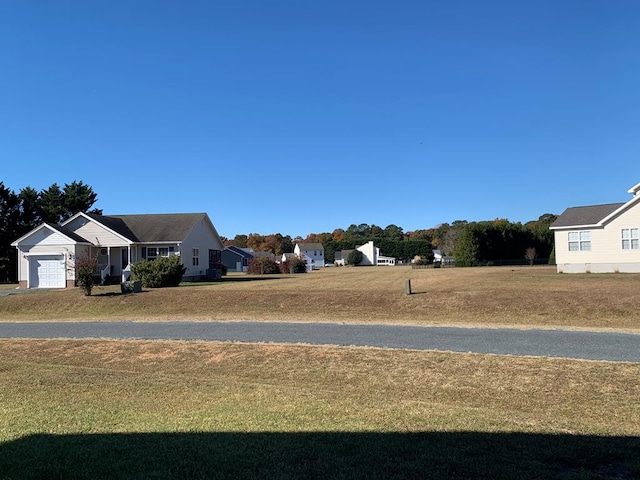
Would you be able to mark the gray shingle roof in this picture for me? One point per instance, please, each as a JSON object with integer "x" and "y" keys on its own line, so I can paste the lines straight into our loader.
{"x": 65, "y": 231}
{"x": 589, "y": 215}
{"x": 311, "y": 246}
{"x": 152, "y": 227}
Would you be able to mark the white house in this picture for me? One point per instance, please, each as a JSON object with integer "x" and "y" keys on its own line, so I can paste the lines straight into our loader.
{"x": 47, "y": 254}
{"x": 311, "y": 253}
{"x": 370, "y": 256}
{"x": 599, "y": 238}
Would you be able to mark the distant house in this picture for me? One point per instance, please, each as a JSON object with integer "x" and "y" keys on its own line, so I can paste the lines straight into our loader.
{"x": 370, "y": 256}
{"x": 311, "y": 253}
{"x": 47, "y": 254}
{"x": 236, "y": 259}
{"x": 599, "y": 238}
{"x": 287, "y": 256}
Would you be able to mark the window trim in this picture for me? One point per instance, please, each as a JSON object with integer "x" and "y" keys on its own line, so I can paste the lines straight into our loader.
{"x": 632, "y": 240}
{"x": 579, "y": 241}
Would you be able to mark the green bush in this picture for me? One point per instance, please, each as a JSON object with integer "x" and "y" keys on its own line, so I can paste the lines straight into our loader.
{"x": 162, "y": 272}
{"x": 355, "y": 257}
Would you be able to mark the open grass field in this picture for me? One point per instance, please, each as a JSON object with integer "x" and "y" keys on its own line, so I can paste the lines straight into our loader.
{"x": 78, "y": 409}
{"x": 490, "y": 296}
{"x": 106, "y": 409}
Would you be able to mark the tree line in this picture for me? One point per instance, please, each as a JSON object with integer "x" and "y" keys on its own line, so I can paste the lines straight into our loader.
{"x": 23, "y": 211}
{"x": 471, "y": 243}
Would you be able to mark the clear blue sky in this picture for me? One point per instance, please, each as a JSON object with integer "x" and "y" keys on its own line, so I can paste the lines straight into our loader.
{"x": 300, "y": 117}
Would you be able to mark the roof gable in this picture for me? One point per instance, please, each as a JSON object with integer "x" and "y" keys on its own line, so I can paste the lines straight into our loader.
{"x": 595, "y": 215}
{"x": 238, "y": 251}
{"x": 46, "y": 230}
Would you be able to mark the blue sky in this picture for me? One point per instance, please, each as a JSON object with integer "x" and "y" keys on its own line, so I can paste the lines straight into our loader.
{"x": 302, "y": 117}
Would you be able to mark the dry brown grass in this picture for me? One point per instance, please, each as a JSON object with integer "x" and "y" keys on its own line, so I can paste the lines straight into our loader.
{"x": 491, "y": 296}
{"x": 56, "y": 386}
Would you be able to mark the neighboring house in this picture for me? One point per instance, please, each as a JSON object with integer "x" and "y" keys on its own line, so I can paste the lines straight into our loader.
{"x": 237, "y": 259}
{"x": 311, "y": 253}
{"x": 370, "y": 256}
{"x": 269, "y": 255}
{"x": 437, "y": 256}
{"x": 47, "y": 254}
{"x": 341, "y": 257}
{"x": 599, "y": 238}
{"x": 287, "y": 256}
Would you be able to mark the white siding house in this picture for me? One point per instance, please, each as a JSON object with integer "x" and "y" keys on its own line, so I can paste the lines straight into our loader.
{"x": 311, "y": 253}
{"x": 599, "y": 238}
{"x": 370, "y": 256}
{"x": 47, "y": 254}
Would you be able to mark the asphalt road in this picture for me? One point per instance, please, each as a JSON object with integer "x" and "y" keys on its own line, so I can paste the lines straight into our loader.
{"x": 623, "y": 347}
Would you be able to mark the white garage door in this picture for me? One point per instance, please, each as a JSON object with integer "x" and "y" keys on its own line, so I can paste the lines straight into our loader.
{"x": 47, "y": 271}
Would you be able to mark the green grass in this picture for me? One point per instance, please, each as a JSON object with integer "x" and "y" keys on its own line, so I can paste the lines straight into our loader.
{"x": 107, "y": 409}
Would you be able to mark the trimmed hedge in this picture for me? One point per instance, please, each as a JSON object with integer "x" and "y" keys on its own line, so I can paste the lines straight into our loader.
{"x": 161, "y": 272}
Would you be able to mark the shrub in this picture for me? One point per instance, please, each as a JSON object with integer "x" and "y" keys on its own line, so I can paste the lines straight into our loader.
{"x": 262, "y": 266}
{"x": 355, "y": 257}
{"x": 85, "y": 268}
{"x": 162, "y": 272}
{"x": 418, "y": 260}
{"x": 293, "y": 265}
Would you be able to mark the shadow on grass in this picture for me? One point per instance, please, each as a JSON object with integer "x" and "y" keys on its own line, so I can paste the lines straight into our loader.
{"x": 234, "y": 279}
{"x": 319, "y": 455}
{"x": 116, "y": 294}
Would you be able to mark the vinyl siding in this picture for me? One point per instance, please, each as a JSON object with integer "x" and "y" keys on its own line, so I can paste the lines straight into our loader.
{"x": 95, "y": 233}
{"x": 203, "y": 238}
{"x": 606, "y": 245}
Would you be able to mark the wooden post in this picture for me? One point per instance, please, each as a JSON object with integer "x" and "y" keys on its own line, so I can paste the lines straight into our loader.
{"x": 407, "y": 287}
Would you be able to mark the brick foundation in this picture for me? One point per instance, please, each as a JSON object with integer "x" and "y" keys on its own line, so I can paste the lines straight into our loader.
{"x": 22, "y": 284}
{"x": 71, "y": 283}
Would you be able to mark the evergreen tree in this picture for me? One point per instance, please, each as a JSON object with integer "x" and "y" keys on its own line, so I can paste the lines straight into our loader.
{"x": 9, "y": 229}
{"x": 78, "y": 197}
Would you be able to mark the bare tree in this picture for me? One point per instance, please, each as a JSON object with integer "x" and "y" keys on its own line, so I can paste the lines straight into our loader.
{"x": 530, "y": 254}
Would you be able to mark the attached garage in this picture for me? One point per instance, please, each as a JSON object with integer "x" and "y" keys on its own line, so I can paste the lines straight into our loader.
{"x": 46, "y": 257}
{"x": 47, "y": 271}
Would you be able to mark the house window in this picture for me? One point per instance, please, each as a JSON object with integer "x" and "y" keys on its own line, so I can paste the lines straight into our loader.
{"x": 163, "y": 252}
{"x": 152, "y": 253}
{"x": 196, "y": 257}
{"x": 215, "y": 259}
{"x": 630, "y": 239}
{"x": 579, "y": 241}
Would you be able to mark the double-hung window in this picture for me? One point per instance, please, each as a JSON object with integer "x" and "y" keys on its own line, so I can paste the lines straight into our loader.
{"x": 630, "y": 239}
{"x": 579, "y": 241}
{"x": 196, "y": 257}
{"x": 152, "y": 253}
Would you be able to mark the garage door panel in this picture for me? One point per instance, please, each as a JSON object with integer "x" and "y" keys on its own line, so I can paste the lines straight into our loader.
{"x": 48, "y": 271}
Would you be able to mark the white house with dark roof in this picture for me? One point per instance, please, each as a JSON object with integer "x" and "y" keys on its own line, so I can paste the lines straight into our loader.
{"x": 46, "y": 255}
{"x": 370, "y": 256}
{"x": 599, "y": 238}
{"x": 311, "y": 253}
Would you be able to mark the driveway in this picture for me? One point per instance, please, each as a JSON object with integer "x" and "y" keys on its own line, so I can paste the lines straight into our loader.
{"x": 619, "y": 347}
